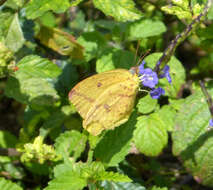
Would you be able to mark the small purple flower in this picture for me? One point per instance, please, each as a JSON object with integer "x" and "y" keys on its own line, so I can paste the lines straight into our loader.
{"x": 157, "y": 92}
{"x": 166, "y": 74}
{"x": 148, "y": 77}
{"x": 141, "y": 66}
{"x": 211, "y": 122}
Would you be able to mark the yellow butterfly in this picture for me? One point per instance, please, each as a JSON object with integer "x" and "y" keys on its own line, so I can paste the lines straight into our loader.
{"x": 105, "y": 100}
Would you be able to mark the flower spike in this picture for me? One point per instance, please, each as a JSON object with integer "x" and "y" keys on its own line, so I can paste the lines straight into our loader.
{"x": 166, "y": 74}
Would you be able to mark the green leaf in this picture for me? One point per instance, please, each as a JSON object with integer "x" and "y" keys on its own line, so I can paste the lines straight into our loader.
{"x": 108, "y": 185}
{"x": 204, "y": 66}
{"x": 8, "y": 185}
{"x": 181, "y": 3}
{"x": 121, "y": 10}
{"x": 144, "y": 29}
{"x": 176, "y": 104}
{"x": 206, "y": 32}
{"x": 112, "y": 176}
{"x": 79, "y": 23}
{"x": 192, "y": 138}
{"x": 70, "y": 142}
{"x": 150, "y": 136}
{"x": 14, "y": 4}
{"x": 93, "y": 43}
{"x": 167, "y": 114}
{"x": 6, "y": 17}
{"x": 6, "y": 63}
{"x": 95, "y": 171}
{"x": 7, "y": 140}
{"x": 33, "y": 83}
{"x": 5, "y": 54}
{"x": 60, "y": 41}
{"x": 14, "y": 39}
{"x": 31, "y": 119}
{"x": 178, "y": 11}
{"x": 68, "y": 77}
{"x": 159, "y": 188}
{"x": 75, "y": 2}
{"x": 210, "y": 13}
{"x": 37, "y": 8}
{"x": 115, "y": 58}
{"x": 38, "y": 169}
{"x": 5, "y": 159}
{"x": 16, "y": 172}
{"x": 48, "y": 19}
{"x": 106, "y": 24}
{"x": 83, "y": 170}
{"x": 60, "y": 169}
{"x": 177, "y": 73}
{"x": 76, "y": 173}
{"x": 115, "y": 145}
{"x": 94, "y": 140}
{"x": 67, "y": 181}
{"x": 55, "y": 120}
{"x": 38, "y": 67}
{"x": 146, "y": 104}
{"x": 82, "y": 173}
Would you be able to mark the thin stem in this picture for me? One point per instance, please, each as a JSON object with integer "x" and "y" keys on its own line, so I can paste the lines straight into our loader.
{"x": 138, "y": 43}
{"x": 90, "y": 156}
{"x": 208, "y": 97}
{"x": 169, "y": 51}
{"x": 143, "y": 90}
{"x": 9, "y": 152}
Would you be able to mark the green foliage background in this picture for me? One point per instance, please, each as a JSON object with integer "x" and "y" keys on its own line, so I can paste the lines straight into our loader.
{"x": 48, "y": 46}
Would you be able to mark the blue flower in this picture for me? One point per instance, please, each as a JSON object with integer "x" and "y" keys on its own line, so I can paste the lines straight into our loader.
{"x": 166, "y": 74}
{"x": 148, "y": 77}
{"x": 141, "y": 66}
{"x": 157, "y": 92}
{"x": 211, "y": 122}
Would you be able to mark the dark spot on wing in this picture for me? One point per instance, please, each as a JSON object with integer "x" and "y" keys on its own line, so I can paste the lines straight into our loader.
{"x": 99, "y": 84}
{"x": 107, "y": 108}
{"x": 97, "y": 106}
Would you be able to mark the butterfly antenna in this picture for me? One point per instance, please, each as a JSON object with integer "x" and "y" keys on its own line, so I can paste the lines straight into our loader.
{"x": 136, "y": 53}
{"x": 142, "y": 56}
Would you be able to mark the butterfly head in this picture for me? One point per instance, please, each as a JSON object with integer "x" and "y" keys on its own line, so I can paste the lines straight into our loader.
{"x": 134, "y": 70}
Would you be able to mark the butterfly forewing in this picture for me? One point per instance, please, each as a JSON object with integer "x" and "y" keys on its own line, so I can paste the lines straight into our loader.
{"x": 105, "y": 100}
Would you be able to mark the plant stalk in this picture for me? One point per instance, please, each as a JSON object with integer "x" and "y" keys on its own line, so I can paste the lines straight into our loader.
{"x": 169, "y": 51}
